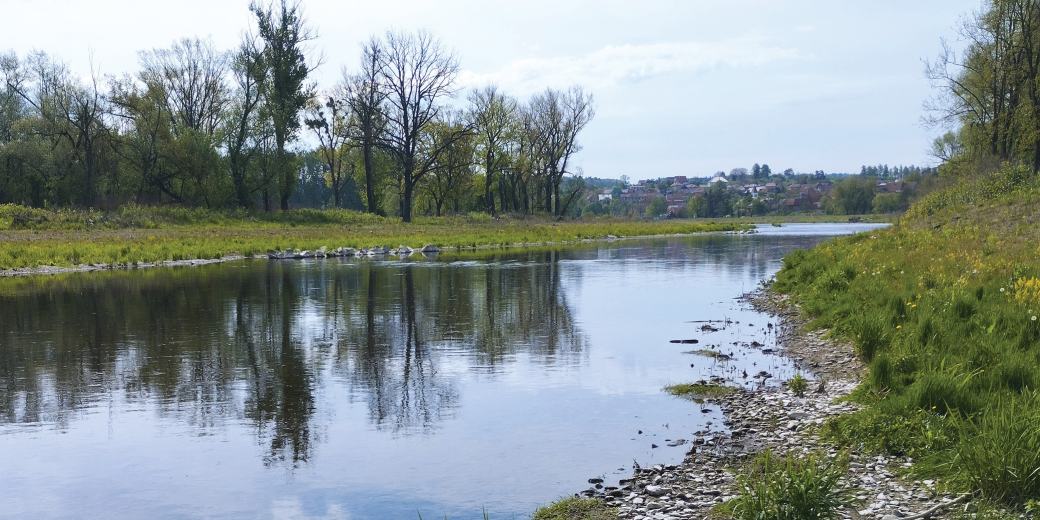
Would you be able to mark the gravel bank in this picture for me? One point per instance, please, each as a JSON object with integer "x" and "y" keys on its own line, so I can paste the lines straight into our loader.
{"x": 774, "y": 418}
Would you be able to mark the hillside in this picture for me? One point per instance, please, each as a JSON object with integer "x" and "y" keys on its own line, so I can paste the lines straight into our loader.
{"x": 943, "y": 307}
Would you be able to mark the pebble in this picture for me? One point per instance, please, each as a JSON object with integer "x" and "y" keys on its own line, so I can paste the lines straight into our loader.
{"x": 704, "y": 479}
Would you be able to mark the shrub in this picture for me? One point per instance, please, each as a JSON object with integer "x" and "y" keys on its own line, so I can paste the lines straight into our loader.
{"x": 791, "y": 488}
{"x": 798, "y": 385}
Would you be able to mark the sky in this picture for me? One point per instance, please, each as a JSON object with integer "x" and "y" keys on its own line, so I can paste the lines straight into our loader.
{"x": 681, "y": 87}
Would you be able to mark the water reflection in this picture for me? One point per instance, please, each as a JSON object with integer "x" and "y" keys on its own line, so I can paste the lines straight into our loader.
{"x": 254, "y": 341}
{"x": 382, "y": 388}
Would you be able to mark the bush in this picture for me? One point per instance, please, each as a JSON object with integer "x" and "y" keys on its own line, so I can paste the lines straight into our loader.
{"x": 791, "y": 488}
{"x": 798, "y": 385}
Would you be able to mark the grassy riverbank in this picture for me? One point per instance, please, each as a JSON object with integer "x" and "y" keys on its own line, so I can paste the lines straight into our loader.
{"x": 943, "y": 307}
{"x": 31, "y": 237}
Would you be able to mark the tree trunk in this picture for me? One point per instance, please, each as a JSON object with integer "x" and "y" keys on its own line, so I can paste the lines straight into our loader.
{"x": 370, "y": 175}
{"x": 406, "y": 198}
{"x": 489, "y": 197}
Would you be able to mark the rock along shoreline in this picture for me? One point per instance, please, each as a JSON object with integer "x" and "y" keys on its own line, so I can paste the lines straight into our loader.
{"x": 774, "y": 418}
{"x": 375, "y": 251}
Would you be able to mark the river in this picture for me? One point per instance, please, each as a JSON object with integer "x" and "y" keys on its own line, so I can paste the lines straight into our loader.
{"x": 372, "y": 389}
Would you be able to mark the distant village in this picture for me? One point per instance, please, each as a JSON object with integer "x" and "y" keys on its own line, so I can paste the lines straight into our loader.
{"x": 877, "y": 189}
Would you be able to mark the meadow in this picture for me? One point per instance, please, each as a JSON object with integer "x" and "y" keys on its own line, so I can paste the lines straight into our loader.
{"x": 943, "y": 307}
{"x": 32, "y": 238}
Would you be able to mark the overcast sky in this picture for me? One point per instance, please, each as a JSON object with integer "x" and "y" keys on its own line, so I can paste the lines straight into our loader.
{"x": 682, "y": 87}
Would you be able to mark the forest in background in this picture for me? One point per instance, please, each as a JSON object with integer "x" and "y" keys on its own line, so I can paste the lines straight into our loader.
{"x": 248, "y": 128}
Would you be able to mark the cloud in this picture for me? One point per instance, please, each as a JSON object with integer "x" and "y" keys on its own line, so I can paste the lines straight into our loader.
{"x": 614, "y": 65}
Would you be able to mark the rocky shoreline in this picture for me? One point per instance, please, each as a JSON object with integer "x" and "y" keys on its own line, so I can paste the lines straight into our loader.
{"x": 342, "y": 252}
{"x": 774, "y": 418}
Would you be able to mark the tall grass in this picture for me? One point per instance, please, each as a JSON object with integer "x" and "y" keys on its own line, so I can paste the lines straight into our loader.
{"x": 33, "y": 237}
{"x": 943, "y": 308}
{"x": 790, "y": 487}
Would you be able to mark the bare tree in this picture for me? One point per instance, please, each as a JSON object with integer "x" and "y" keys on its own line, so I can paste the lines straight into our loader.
{"x": 364, "y": 93}
{"x": 327, "y": 120}
{"x": 249, "y": 76}
{"x": 417, "y": 74}
{"x": 491, "y": 114}
{"x": 191, "y": 77}
{"x": 558, "y": 118}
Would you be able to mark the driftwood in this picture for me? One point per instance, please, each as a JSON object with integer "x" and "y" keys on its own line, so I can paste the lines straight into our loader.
{"x": 937, "y": 507}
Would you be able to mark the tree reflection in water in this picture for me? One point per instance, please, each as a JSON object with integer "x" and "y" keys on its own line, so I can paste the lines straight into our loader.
{"x": 269, "y": 343}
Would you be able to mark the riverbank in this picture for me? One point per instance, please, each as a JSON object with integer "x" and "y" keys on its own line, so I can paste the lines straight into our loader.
{"x": 927, "y": 338}
{"x": 775, "y": 419}
{"x": 40, "y": 242}
{"x": 36, "y": 241}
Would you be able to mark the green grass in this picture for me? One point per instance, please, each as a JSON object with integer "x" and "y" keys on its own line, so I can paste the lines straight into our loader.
{"x": 34, "y": 237}
{"x": 773, "y": 487}
{"x": 941, "y": 306}
{"x": 574, "y": 508}
{"x": 700, "y": 390}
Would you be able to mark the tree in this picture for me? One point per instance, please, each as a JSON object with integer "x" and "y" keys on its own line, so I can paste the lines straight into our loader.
{"x": 756, "y": 171}
{"x": 286, "y": 93}
{"x": 657, "y": 207}
{"x": 365, "y": 94}
{"x": 491, "y": 115}
{"x": 243, "y": 120}
{"x": 557, "y": 117}
{"x": 451, "y": 176}
{"x": 417, "y": 73}
{"x": 327, "y": 120}
{"x": 851, "y": 196}
{"x": 68, "y": 115}
{"x": 766, "y": 172}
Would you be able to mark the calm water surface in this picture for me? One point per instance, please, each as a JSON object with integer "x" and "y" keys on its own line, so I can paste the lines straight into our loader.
{"x": 369, "y": 389}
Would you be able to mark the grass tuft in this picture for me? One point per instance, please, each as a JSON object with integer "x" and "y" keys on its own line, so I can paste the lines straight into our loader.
{"x": 574, "y": 508}
{"x": 773, "y": 487}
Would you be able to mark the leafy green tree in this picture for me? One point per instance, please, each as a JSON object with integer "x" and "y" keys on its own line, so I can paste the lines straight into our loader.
{"x": 851, "y": 196}
{"x": 284, "y": 35}
{"x": 657, "y": 207}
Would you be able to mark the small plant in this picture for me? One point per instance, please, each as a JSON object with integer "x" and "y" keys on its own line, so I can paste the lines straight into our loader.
{"x": 574, "y": 508}
{"x": 700, "y": 390}
{"x": 798, "y": 385}
{"x": 772, "y": 487}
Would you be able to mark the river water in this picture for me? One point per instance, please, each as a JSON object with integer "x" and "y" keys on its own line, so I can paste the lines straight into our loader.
{"x": 372, "y": 389}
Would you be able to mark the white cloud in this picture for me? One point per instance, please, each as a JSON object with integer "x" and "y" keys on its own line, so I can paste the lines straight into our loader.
{"x": 616, "y": 64}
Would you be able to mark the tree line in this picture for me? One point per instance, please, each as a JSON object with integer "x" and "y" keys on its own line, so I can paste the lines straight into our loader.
{"x": 990, "y": 90}
{"x": 249, "y": 128}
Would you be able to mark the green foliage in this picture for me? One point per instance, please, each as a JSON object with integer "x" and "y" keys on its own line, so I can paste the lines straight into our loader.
{"x": 574, "y": 508}
{"x": 851, "y": 196}
{"x": 699, "y": 390}
{"x": 657, "y": 207}
{"x": 941, "y": 308}
{"x": 798, "y": 385}
{"x": 792, "y": 487}
{"x": 134, "y": 234}
{"x": 999, "y": 454}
